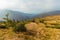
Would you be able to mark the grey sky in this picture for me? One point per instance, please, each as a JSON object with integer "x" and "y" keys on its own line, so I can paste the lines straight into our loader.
{"x": 30, "y": 6}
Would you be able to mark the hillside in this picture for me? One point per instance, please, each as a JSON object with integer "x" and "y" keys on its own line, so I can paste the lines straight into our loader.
{"x": 46, "y": 28}
{"x": 16, "y": 15}
{"x": 51, "y": 13}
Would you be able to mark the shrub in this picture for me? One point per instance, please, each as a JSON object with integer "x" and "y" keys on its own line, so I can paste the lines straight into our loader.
{"x": 3, "y": 27}
{"x": 20, "y": 28}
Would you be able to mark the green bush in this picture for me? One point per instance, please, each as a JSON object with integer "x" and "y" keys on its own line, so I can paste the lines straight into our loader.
{"x": 2, "y": 27}
{"x": 20, "y": 28}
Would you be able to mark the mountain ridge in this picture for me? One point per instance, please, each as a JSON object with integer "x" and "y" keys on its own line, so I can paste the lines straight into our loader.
{"x": 15, "y": 15}
{"x": 51, "y": 13}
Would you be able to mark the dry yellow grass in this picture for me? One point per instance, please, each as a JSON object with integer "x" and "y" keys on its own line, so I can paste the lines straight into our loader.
{"x": 41, "y": 34}
{"x": 35, "y": 31}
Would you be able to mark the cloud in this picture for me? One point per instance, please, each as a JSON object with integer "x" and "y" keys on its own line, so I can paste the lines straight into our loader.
{"x": 49, "y": 4}
{"x": 5, "y": 4}
{"x": 30, "y": 6}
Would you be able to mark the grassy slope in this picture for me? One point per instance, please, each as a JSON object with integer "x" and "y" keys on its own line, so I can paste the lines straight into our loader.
{"x": 8, "y": 34}
{"x": 43, "y": 34}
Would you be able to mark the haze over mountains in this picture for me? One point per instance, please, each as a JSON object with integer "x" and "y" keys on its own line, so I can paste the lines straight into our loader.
{"x": 51, "y": 13}
{"x": 23, "y": 16}
{"x": 15, "y": 15}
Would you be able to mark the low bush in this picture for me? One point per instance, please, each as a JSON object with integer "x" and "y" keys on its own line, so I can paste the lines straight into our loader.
{"x": 20, "y": 28}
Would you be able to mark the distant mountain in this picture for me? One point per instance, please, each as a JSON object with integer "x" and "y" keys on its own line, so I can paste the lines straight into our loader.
{"x": 23, "y": 16}
{"x": 15, "y": 15}
{"x": 51, "y": 13}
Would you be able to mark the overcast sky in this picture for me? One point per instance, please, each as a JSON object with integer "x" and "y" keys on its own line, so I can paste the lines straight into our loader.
{"x": 30, "y": 6}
